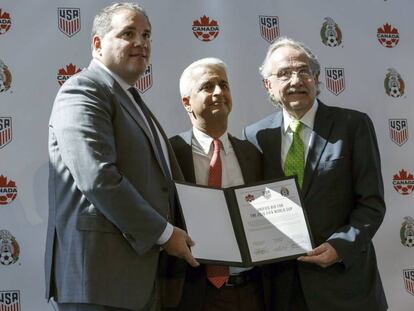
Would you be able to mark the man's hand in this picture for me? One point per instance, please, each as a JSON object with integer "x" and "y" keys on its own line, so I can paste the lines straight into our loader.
{"x": 178, "y": 245}
{"x": 324, "y": 255}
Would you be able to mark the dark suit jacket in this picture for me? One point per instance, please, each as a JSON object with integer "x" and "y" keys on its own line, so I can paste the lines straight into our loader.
{"x": 343, "y": 198}
{"x": 250, "y": 163}
{"x": 108, "y": 196}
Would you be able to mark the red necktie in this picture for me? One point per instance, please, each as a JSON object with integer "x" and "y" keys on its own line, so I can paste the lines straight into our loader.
{"x": 217, "y": 275}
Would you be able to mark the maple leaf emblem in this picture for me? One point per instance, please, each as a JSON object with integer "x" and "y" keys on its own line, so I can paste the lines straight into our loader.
{"x": 403, "y": 176}
{"x": 5, "y": 183}
{"x": 70, "y": 70}
{"x": 387, "y": 28}
{"x": 205, "y": 21}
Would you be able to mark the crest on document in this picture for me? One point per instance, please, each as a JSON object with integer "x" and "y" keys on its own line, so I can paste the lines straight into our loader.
{"x": 269, "y": 27}
{"x": 10, "y": 300}
{"x": 407, "y": 232}
{"x": 408, "y": 276}
{"x": 205, "y": 29}
{"x": 69, "y": 21}
{"x": 398, "y": 131}
{"x": 394, "y": 84}
{"x": 6, "y": 134}
{"x": 5, "y": 22}
{"x": 8, "y": 190}
{"x": 249, "y": 198}
{"x": 403, "y": 182}
{"x": 66, "y": 73}
{"x": 335, "y": 80}
{"x": 284, "y": 191}
{"x": 5, "y": 77}
{"x": 267, "y": 194}
{"x": 330, "y": 33}
{"x": 145, "y": 81}
{"x": 9, "y": 248}
{"x": 388, "y": 36}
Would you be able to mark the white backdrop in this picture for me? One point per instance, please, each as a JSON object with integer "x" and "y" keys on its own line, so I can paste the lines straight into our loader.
{"x": 33, "y": 49}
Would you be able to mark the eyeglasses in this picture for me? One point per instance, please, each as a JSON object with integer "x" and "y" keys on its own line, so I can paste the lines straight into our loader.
{"x": 287, "y": 74}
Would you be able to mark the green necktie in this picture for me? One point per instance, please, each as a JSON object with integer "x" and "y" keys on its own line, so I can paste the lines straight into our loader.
{"x": 295, "y": 159}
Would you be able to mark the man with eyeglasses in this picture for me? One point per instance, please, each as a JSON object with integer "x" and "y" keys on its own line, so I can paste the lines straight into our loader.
{"x": 334, "y": 154}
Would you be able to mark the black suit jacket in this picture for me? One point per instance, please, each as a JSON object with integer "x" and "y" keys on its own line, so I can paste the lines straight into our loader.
{"x": 343, "y": 197}
{"x": 251, "y": 167}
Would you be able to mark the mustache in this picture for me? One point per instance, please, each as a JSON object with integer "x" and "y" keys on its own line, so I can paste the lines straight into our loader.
{"x": 294, "y": 90}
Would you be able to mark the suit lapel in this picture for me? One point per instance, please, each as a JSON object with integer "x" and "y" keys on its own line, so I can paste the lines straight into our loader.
{"x": 184, "y": 154}
{"x": 321, "y": 131}
{"x": 270, "y": 141}
{"x": 243, "y": 157}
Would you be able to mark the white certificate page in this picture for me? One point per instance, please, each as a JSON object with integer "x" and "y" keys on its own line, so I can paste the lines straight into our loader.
{"x": 208, "y": 223}
{"x": 273, "y": 220}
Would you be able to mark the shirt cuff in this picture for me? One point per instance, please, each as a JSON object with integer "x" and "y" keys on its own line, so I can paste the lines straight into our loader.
{"x": 165, "y": 236}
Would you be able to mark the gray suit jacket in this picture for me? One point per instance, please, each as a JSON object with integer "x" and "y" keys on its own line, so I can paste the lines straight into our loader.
{"x": 343, "y": 197}
{"x": 108, "y": 196}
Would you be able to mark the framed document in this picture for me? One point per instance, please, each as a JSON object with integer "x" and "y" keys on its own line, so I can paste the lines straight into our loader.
{"x": 245, "y": 225}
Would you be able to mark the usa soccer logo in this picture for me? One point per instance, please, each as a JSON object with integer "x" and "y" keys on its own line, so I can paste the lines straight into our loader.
{"x": 69, "y": 21}
{"x": 407, "y": 232}
{"x": 10, "y": 300}
{"x": 145, "y": 81}
{"x": 8, "y": 190}
{"x": 394, "y": 84}
{"x": 269, "y": 27}
{"x": 408, "y": 276}
{"x": 388, "y": 36}
{"x": 66, "y": 73}
{"x": 403, "y": 182}
{"x": 5, "y": 77}
{"x": 335, "y": 80}
{"x": 9, "y": 248}
{"x": 5, "y": 131}
{"x": 330, "y": 33}
{"x": 398, "y": 131}
{"x": 205, "y": 30}
{"x": 5, "y": 22}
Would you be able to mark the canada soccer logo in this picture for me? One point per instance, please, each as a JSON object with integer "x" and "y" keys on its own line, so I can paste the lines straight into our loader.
{"x": 408, "y": 275}
{"x": 205, "y": 30}
{"x": 8, "y": 190}
{"x": 5, "y": 77}
{"x": 145, "y": 81}
{"x": 269, "y": 27}
{"x": 249, "y": 197}
{"x": 10, "y": 300}
{"x": 5, "y": 131}
{"x": 398, "y": 131}
{"x": 9, "y": 248}
{"x": 69, "y": 21}
{"x": 388, "y": 36}
{"x": 394, "y": 84}
{"x": 330, "y": 33}
{"x": 403, "y": 182}
{"x": 64, "y": 74}
{"x": 407, "y": 232}
{"x": 335, "y": 80}
{"x": 5, "y": 22}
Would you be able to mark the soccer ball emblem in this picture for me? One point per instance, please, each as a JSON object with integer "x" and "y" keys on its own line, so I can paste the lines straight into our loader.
{"x": 6, "y": 258}
{"x": 394, "y": 84}
{"x": 409, "y": 241}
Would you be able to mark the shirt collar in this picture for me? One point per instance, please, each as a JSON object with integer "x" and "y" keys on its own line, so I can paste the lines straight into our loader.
{"x": 308, "y": 119}
{"x": 205, "y": 141}
{"x": 124, "y": 85}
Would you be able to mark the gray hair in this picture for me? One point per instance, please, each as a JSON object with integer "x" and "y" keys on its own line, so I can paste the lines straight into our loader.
{"x": 102, "y": 21}
{"x": 266, "y": 68}
{"x": 186, "y": 78}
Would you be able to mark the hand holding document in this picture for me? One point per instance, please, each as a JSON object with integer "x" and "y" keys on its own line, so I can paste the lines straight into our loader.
{"x": 245, "y": 225}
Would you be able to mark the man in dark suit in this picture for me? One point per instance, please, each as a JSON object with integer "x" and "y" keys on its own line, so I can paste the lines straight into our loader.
{"x": 111, "y": 196}
{"x": 334, "y": 153}
{"x": 205, "y": 94}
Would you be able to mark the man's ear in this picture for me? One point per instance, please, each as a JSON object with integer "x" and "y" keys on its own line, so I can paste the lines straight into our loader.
{"x": 185, "y": 100}
{"x": 96, "y": 43}
{"x": 267, "y": 84}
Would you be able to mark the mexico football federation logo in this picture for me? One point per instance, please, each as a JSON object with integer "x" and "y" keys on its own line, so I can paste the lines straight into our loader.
{"x": 5, "y": 131}
{"x": 145, "y": 81}
{"x": 69, "y": 21}
{"x": 398, "y": 131}
{"x": 394, "y": 84}
{"x": 407, "y": 232}
{"x": 9, "y": 248}
{"x": 205, "y": 30}
{"x": 335, "y": 80}
{"x": 388, "y": 36}
{"x": 5, "y": 77}
{"x": 403, "y": 182}
{"x": 10, "y": 300}
{"x": 8, "y": 190}
{"x": 269, "y": 27}
{"x": 330, "y": 33}
{"x": 408, "y": 275}
{"x": 66, "y": 73}
{"x": 5, "y": 22}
